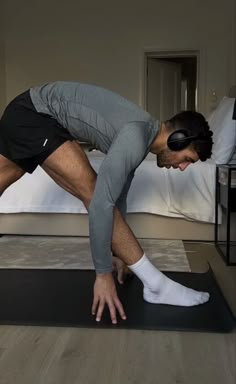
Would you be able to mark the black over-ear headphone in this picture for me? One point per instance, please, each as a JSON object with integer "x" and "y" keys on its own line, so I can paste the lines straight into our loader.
{"x": 180, "y": 139}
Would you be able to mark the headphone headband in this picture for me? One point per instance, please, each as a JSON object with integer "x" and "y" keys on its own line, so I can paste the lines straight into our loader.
{"x": 180, "y": 139}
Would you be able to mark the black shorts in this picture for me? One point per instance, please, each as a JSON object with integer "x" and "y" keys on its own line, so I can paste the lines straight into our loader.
{"x": 28, "y": 137}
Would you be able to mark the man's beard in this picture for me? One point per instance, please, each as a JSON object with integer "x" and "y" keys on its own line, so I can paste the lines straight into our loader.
{"x": 164, "y": 158}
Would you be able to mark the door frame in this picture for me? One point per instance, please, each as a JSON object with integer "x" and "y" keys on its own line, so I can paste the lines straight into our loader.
{"x": 170, "y": 54}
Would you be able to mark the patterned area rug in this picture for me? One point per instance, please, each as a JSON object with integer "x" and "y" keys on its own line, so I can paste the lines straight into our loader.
{"x": 52, "y": 252}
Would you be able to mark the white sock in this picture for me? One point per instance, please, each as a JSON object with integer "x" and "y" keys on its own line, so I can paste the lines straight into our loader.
{"x": 159, "y": 289}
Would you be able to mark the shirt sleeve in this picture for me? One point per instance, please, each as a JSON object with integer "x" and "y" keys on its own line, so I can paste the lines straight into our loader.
{"x": 121, "y": 203}
{"x": 125, "y": 154}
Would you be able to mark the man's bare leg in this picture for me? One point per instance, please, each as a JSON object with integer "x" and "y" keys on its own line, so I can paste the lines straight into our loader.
{"x": 70, "y": 168}
{"x": 9, "y": 173}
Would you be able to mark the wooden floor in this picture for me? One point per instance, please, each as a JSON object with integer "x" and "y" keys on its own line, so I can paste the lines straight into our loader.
{"x": 37, "y": 355}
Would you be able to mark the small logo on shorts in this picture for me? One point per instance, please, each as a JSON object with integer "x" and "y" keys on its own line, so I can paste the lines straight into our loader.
{"x": 45, "y": 142}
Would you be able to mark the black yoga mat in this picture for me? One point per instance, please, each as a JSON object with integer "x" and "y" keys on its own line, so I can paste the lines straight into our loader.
{"x": 64, "y": 298}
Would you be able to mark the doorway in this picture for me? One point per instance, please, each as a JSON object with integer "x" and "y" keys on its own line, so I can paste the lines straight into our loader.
{"x": 171, "y": 83}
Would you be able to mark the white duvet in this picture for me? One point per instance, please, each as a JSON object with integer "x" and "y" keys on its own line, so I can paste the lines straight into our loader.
{"x": 189, "y": 194}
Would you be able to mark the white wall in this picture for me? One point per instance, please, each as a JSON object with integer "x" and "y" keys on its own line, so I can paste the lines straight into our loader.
{"x": 2, "y": 78}
{"x": 103, "y": 42}
{"x": 2, "y": 68}
{"x": 234, "y": 43}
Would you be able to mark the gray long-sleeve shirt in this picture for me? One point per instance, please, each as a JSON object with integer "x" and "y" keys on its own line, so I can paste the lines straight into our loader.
{"x": 116, "y": 127}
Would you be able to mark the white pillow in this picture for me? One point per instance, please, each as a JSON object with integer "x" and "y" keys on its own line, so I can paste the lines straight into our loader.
{"x": 224, "y": 131}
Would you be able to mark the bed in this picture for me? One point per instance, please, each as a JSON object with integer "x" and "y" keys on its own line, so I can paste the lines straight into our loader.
{"x": 162, "y": 203}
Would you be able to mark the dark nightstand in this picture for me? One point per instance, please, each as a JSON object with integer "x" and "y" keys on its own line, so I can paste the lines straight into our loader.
{"x": 225, "y": 233}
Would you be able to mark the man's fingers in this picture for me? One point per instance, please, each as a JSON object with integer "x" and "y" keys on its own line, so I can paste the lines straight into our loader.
{"x": 120, "y": 274}
{"x": 112, "y": 310}
{"x": 120, "y": 308}
{"x": 105, "y": 294}
{"x": 100, "y": 310}
{"x": 95, "y": 304}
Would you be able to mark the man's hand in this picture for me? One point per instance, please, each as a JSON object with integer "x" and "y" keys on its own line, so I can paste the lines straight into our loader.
{"x": 105, "y": 293}
{"x": 121, "y": 269}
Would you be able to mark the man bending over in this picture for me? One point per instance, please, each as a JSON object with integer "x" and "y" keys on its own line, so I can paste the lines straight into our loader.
{"x": 43, "y": 126}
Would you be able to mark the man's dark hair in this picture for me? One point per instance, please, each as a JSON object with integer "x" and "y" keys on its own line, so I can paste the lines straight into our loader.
{"x": 195, "y": 124}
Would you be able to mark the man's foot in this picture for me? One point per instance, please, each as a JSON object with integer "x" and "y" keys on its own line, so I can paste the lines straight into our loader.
{"x": 170, "y": 292}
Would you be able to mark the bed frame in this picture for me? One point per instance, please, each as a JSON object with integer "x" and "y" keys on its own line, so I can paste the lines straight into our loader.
{"x": 144, "y": 225}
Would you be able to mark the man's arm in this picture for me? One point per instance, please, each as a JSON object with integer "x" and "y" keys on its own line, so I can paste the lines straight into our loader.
{"x": 118, "y": 265}
{"x": 126, "y": 153}
{"x": 121, "y": 203}
{"x": 69, "y": 167}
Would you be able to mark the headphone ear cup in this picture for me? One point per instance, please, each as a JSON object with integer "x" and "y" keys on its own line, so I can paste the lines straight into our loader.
{"x": 178, "y": 140}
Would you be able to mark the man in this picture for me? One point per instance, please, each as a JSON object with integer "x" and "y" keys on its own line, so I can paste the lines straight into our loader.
{"x": 43, "y": 126}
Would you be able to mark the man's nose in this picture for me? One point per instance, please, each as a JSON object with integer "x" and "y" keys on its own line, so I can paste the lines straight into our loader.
{"x": 183, "y": 166}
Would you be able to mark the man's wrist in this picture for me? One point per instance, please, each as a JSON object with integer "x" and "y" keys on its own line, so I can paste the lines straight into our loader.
{"x": 103, "y": 274}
